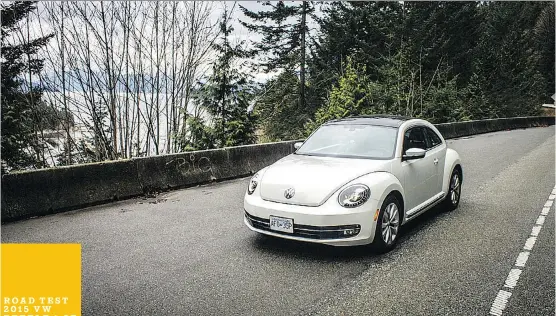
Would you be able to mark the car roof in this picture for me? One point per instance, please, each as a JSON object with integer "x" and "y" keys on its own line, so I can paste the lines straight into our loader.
{"x": 379, "y": 120}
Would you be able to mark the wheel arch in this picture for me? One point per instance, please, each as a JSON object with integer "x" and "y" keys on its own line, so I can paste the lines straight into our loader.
{"x": 387, "y": 184}
{"x": 452, "y": 162}
{"x": 460, "y": 169}
{"x": 398, "y": 195}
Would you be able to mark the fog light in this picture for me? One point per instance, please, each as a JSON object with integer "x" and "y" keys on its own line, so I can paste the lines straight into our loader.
{"x": 351, "y": 231}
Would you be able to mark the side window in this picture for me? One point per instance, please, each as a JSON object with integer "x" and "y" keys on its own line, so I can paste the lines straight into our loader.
{"x": 414, "y": 138}
{"x": 434, "y": 139}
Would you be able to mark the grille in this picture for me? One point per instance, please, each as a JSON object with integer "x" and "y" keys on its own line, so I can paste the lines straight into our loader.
{"x": 306, "y": 231}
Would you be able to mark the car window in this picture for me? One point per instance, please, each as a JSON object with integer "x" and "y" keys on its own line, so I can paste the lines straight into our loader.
{"x": 414, "y": 138}
{"x": 351, "y": 141}
{"x": 434, "y": 139}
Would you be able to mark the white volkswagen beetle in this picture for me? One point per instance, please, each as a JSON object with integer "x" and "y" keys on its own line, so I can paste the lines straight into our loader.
{"x": 355, "y": 181}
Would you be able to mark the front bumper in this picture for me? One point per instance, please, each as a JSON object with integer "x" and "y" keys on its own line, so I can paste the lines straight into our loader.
{"x": 325, "y": 224}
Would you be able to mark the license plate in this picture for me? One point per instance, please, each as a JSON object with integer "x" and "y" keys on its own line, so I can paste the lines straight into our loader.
{"x": 281, "y": 224}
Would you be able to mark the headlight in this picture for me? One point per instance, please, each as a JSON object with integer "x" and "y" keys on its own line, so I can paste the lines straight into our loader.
{"x": 253, "y": 184}
{"x": 354, "y": 195}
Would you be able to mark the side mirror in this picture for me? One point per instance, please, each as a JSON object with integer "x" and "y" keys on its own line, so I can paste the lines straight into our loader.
{"x": 297, "y": 145}
{"x": 414, "y": 153}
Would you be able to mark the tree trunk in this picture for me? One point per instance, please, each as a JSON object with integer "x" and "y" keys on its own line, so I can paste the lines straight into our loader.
{"x": 302, "y": 70}
{"x": 111, "y": 86}
{"x": 66, "y": 110}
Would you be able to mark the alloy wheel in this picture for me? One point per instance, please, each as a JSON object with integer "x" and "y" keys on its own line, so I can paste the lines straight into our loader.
{"x": 455, "y": 189}
{"x": 390, "y": 223}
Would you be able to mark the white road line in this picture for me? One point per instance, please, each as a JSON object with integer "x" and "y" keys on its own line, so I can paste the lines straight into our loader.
{"x": 500, "y": 302}
{"x": 522, "y": 259}
{"x": 511, "y": 281}
{"x": 530, "y": 243}
{"x": 503, "y": 296}
{"x": 536, "y": 230}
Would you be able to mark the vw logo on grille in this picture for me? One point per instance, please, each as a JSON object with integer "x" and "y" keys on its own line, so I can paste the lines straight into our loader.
{"x": 289, "y": 193}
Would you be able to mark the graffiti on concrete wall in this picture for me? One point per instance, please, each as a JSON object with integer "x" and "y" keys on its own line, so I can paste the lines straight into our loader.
{"x": 191, "y": 165}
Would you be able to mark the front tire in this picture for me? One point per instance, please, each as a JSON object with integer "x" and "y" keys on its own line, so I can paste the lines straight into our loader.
{"x": 451, "y": 201}
{"x": 388, "y": 225}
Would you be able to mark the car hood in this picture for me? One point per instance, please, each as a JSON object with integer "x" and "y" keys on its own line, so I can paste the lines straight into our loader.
{"x": 313, "y": 178}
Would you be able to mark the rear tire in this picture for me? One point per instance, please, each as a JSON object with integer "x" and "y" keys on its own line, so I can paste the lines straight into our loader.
{"x": 451, "y": 201}
{"x": 388, "y": 225}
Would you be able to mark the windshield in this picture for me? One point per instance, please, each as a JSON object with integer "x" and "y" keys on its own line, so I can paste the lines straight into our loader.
{"x": 351, "y": 141}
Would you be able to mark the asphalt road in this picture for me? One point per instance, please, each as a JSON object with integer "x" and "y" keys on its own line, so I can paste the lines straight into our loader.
{"x": 187, "y": 252}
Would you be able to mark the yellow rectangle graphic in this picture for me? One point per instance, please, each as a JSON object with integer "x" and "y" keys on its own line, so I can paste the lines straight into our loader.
{"x": 41, "y": 279}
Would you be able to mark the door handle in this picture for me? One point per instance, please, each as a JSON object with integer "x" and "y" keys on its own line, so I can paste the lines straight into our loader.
{"x": 435, "y": 161}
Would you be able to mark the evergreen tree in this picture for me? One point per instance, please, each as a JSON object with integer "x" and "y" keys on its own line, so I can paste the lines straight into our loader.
{"x": 364, "y": 31}
{"x": 226, "y": 95}
{"x": 442, "y": 61}
{"x": 442, "y": 30}
{"x": 284, "y": 30}
{"x": 397, "y": 90}
{"x": 200, "y": 135}
{"x": 20, "y": 106}
{"x": 276, "y": 105}
{"x": 543, "y": 37}
{"x": 350, "y": 97}
{"x": 506, "y": 59}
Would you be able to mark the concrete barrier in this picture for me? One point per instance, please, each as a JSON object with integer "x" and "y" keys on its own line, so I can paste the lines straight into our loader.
{"x": 468, "y": 128}
{"x": 185, "y": 169}
{"x": 46, "y": 191}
